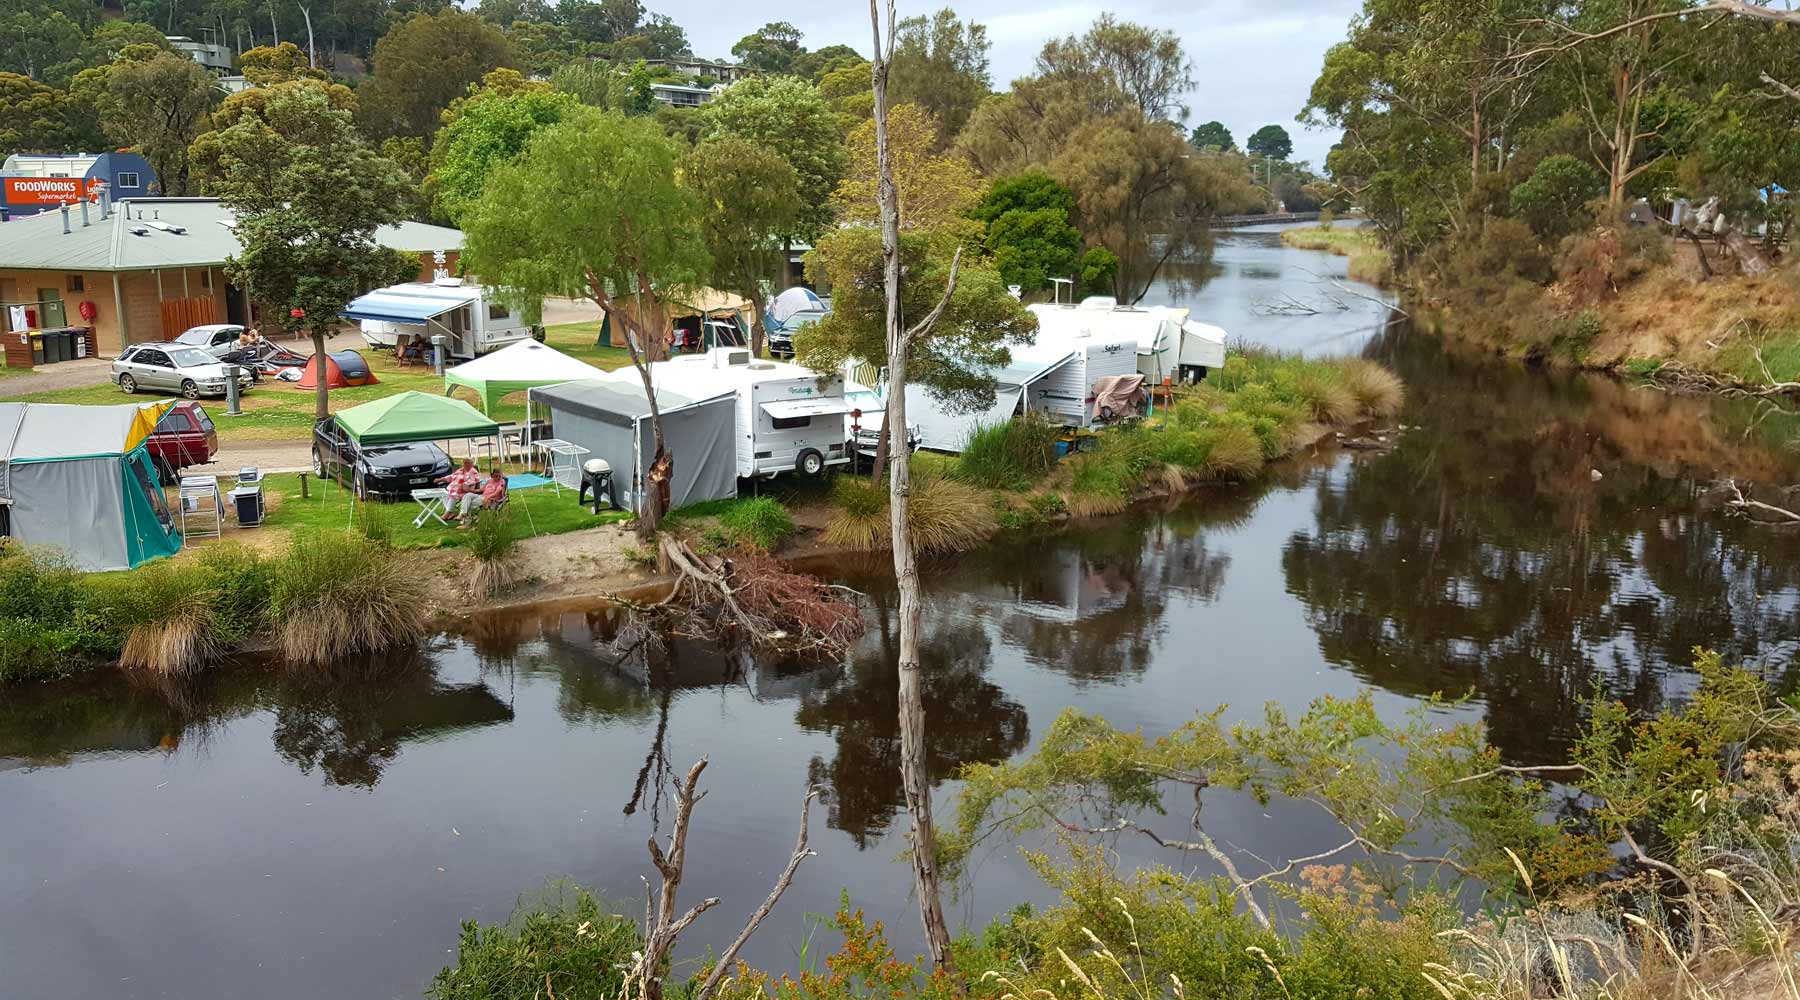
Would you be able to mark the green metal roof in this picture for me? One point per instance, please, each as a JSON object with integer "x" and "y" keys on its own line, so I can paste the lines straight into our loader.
{"x": 414, "y": 416}
{"x": 133, "y": 238}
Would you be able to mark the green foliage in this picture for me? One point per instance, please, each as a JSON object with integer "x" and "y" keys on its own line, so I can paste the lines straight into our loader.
{"x": 953, "y": 361}
{"x": 1011, "y": 455}
{"x": 1029, "y": 231}
{"x": 1214, "y": 136}
{"x": 1552, "y": 201}
{"x": 940, "y": 64}
{"x": 946, "y": 515}
{"x": 50, "y": 620}
{"x": 771, "y": 48}
{"x": 1270, "y": 142}
{"x": 561, "y": 940}
{"x": 493, "y": 535}
{"x": 157, "y": 102}
{"x": 789, "y": 116}
{"x": 413, "y": 80}
{"x": 490, "y": 130}
{"x": 1099, "y": 271}
{"x": 1772, "y": 356}
{"x": 749, "y": 196}
{"x": 761, "y": 523}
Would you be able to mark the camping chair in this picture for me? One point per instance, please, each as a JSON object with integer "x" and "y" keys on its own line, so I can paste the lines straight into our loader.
{"x": 410, "y": 354}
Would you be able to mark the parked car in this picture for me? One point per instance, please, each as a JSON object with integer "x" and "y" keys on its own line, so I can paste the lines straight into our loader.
{"x": 171, "y": 368}
{"x": 868, "y": 413}
{"x": 185, "y": 436}
{"x": 216, "y": 339}
{"x": 389, "y": 471}
{"x": 781, "y": 338}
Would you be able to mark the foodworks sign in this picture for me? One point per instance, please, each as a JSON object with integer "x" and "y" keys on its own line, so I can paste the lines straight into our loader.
{"x": 44, "y": 190}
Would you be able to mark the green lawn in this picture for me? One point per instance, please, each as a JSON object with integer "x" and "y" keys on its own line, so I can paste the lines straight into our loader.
{"x": 278, "y": 411}
{"x": 539, "y": 511}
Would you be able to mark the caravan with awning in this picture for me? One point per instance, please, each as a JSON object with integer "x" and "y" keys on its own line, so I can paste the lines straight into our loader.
{"x": 789, "y": 418}
{"x": 471, "y": 322}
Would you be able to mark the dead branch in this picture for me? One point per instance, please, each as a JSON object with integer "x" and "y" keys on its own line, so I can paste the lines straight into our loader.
{"x": 1677, "y": 375}
{"x": 751, "y": 598}
{"x": 801, "y": 853}
{"x": 1744, "y": 505}
{"x": 924, "y": 326}
{"x": 1781, "y": 89}
{"x": 662, "y": 930}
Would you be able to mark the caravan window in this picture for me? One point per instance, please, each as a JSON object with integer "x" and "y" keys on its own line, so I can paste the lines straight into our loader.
{"x": 791, "y": 423}
{"x": 497, "y": 311}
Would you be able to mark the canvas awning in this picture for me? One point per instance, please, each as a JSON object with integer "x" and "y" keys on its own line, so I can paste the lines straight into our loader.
{"x": 787, "y": 409}
{"x": 524, "y": 365}
{"x": 388, "y": 306}
{"x": 414, "y": 416}
{"x": 1032, "y": 364}
{"x": 40, "y": 432}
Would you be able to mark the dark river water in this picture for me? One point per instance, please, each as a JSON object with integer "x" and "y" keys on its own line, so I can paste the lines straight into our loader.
{"x": 263, "y": 835}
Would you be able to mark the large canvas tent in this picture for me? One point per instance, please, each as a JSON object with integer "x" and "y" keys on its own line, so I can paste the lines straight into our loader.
{"x": 524, "y": 365}
{"x": 684, "y": 310}
{"x": 414, "y": 416}
{"x": 80, "y": 479}
{"x": 611, "y": 419}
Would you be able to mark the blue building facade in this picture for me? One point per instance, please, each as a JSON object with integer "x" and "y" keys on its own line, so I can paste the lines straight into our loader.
{"x": 31, "y": 183}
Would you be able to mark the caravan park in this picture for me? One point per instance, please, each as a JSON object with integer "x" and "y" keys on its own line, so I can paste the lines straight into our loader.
{"x": 545, "y": 500}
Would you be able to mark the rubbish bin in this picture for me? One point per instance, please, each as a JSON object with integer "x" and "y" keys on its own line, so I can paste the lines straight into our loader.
{"x": 37, "y": 348}
{"x": 56, "y": 347}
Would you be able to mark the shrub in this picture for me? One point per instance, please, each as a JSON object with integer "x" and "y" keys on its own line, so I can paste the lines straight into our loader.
{"x": 1378, "y": 391}
{"x": 761, "y": 523}
{"x": 1011, "y": 455}
{"x": 330, "y": 600}
{"x": 168, "y": 613}
{"x": 946, "y": 515}
{"x": 1236, "y": 454}
{"x": 1328, "y": 399}
{"x": 494, "y": 542}
{"x": 1553, "y": 200}
{"x": 49, "y": 623}
{"x": 559, "y": 943}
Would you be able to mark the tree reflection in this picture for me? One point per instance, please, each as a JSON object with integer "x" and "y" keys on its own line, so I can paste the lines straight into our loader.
{"x": 970, "y": 719}
{"x": 1482, "y": 553}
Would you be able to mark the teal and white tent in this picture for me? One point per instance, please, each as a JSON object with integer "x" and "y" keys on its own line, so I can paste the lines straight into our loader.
{"x": 80, "y": 479}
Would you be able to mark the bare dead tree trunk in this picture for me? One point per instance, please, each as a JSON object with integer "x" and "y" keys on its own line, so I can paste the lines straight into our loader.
{"x": 642, "y": 343}
{"x": 663, "y": 929}
{"x": 913, "y": 778}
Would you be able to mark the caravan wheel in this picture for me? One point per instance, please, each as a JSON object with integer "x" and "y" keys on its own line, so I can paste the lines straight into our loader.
{"x": 811, "y": 463}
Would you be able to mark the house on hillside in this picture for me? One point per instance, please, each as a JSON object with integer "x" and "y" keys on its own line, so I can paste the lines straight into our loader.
{"x": 149, "y": 268}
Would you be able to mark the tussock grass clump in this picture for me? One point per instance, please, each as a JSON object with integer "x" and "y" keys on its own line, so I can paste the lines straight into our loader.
{"x": 168, "y": 613}
{"x": 1237, "y": 454}
{"x": 494, "y": 542}
{"x": 332, "y": 596}
{"x": 1330, "y": 399}
{"x": 1378, "y": 392}
{"x": 760, "y": 523}
{"x": 1102, "y": 480}
{"x": 1012, "y": 455}
{"x": 559, "y": 934}
{"x": 946, "y": 515}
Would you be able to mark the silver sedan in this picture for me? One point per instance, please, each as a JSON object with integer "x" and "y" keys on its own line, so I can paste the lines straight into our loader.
{"x": 172, "y": 368}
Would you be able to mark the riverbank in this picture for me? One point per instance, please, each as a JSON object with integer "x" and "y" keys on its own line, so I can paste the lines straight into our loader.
{"x": 1369, "y": 262}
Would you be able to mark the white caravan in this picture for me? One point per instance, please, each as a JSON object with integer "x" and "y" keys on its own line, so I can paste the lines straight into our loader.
{"x": 1099, "y": 348}
{"x": 789, "y": 418}
{"x": 472, "y": 322}
{"x": 1166, "y": 344}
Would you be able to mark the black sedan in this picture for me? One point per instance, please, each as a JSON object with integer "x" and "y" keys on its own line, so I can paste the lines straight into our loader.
{"x": 384, "y": 472}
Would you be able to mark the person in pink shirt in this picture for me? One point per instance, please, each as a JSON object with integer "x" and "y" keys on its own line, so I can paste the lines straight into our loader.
{"x": 489, "y": 496}
{"x": 461, "y": 483}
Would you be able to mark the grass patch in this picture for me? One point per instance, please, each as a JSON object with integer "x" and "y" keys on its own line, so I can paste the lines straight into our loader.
{"x": 1369, "y": 262}
{"x": 1764, "y": 360}
{"x": 332, "y": 596}
{"x": 329, "y": 506}
{"x": 560, "y": 942}
{"x": 761, "y": 523}
{"x": 946, "y": 514}
{"x": 1011, "y": 455}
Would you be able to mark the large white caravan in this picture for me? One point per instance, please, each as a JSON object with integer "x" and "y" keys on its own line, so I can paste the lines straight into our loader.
{"x": 472, "y": 322}
{"x": 1168, "y": 345}
{"x": 789, "y": 418}
{"x": 1098, "y": 348}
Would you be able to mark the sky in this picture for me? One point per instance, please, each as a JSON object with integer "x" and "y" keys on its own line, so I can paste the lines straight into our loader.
{"x": 1254, "y": 60}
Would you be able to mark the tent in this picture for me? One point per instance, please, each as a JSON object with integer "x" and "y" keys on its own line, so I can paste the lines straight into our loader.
{"x": 343, "y": 369}
{"x": 611, "y": 419}
{"x": 688, "y": 310}
{"x": 798, "y": 299}
{"x": 524, "y": 365}
{"x": 414, "y": 416}
{"x": 80, "y": 479}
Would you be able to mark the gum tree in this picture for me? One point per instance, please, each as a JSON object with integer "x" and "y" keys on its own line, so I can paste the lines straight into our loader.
{"x": 592, "y": 208}
{"x": 749, "y": 197}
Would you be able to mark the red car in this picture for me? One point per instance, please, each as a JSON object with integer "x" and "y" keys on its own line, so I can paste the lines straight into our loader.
{"x": 185, "y": 436}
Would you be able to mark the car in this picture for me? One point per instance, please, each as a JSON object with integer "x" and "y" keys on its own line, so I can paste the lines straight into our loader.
{"x": 781, "y": 338}
{"x": 216, "y": 339}
{"x": 868, "y": 413}
{"x": 184, "y": 436}
{"x": 172, "y": 368}
{"x": 377, "y": 472}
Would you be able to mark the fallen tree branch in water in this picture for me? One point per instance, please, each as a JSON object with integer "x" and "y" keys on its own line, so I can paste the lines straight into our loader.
{"x": 1745, "y": 505}
{"x": 750, "y": 598}
{"x": 1682, "y": 376}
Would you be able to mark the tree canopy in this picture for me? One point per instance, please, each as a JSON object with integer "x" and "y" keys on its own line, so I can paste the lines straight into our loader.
{"x": 1271, "y": 142}
{"x": 749, "y": 196}
{"x": 935, "y": 191}
{"x": 1029, "y": 232}
{"x": 1146, "y": 65}
{"x": 941, "y": 65}
{"x": 1212, "y": 135}
{"x": 423, "y": 65}
{"x": 491, "y": 129}
{"x": 787, "y": 115}
{"x": 771, "y": 48}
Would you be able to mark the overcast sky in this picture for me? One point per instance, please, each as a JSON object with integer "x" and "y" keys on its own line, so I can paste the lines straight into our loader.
{"x": 1254, "y": 60}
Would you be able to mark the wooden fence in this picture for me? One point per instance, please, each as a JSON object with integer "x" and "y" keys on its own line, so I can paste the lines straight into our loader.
{"x": 180, "y": 314}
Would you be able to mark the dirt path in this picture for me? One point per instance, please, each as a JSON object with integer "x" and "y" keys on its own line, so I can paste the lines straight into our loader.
{"x": 66, "y": 375}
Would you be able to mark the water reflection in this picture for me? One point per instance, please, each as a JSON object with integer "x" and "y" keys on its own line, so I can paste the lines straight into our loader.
{"x": 1518, "y": 544}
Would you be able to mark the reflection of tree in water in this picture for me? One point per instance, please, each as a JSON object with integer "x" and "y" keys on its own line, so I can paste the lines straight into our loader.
{"x": 1482, "y": 554}
{"x": 969, "y": 719}
{"x": 350, "y": 728}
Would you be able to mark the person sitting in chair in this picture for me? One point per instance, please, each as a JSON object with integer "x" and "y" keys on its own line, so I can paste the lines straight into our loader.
{"x": 418, "y": 347}
{"x": 491, "y": 495}
{"x": 464, "y": 482}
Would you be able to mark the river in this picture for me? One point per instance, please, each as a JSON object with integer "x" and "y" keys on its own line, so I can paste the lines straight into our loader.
{"x": 1532, "y": 536}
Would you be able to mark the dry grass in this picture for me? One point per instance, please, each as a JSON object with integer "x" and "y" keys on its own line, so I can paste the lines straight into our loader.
{"x": 1330, "y": 398}
{"x": 946, "y": 515}
{"x": 1236, "y": 454}
{"x": 180, "y": 642}
{"x": 1377, "y": 391}
{"x": 335, "y": 595}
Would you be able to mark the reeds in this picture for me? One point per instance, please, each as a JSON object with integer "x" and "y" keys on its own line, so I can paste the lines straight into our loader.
{"x": 332, "y": 597}
{"x": 1011, "y": 455}
{"x": 945, "y": 515}
{"x": 494, "y": 542}
{"x": 1378, "y": 391}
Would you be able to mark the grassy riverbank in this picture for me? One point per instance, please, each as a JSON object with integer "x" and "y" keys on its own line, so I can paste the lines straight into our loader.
{"x": 1369, "y": 261}
{"x": 1261, "y": 407}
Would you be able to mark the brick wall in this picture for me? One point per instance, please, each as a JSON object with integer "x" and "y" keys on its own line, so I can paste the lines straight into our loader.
{"x": 143, "y": 317}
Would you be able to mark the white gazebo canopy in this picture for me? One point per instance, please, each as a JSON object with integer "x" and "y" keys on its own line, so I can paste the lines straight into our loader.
{"x": 524, "y": 365}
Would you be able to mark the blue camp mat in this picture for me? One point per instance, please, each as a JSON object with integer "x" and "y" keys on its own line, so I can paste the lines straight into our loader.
{"x": 525, "y": 481}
